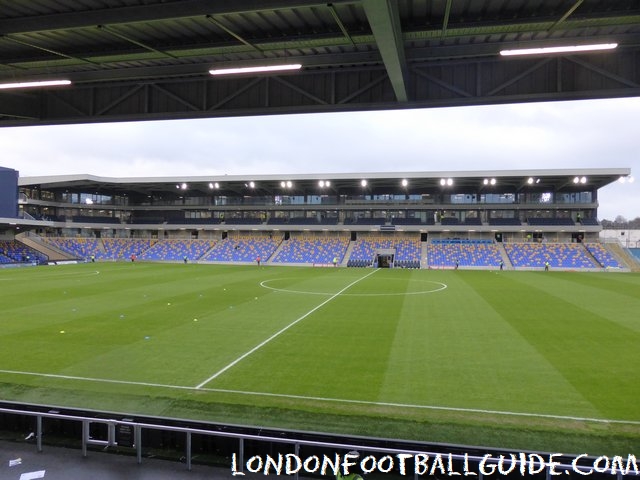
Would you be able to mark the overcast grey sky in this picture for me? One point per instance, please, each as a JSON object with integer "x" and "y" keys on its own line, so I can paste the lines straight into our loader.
{"x": 578, "y": 134}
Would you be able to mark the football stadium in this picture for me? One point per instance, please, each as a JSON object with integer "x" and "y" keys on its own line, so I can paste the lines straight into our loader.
{"x": 462, "y": 310}
{"x": 426, "y": 323}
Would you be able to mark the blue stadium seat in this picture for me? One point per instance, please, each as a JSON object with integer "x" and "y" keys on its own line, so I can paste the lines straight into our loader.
{"x": 558, "y": 255}
{"x": 243, "y": 248}
{"x": 312, "y": 250}
{"x": 446, "y": 253}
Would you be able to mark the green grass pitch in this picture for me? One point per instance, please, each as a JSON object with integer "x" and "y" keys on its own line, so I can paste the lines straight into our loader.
{"x": 529, "y": 360}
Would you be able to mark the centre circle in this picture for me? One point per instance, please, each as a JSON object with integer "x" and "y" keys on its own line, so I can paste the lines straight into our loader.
{"x": 438, "y": 287}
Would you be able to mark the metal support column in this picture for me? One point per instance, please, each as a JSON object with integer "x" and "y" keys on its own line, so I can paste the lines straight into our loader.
{"x": 188, "y": 452}
{"x": 296, "y": 450}
{"x": 241, "y": 454}
{"x": 137, "y": 429}
{"x": 39, "y": 434}
{"x": 85, "y": 436}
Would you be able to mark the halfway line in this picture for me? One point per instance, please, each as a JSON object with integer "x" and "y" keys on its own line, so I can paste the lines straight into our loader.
{"x": 262, "y": 344}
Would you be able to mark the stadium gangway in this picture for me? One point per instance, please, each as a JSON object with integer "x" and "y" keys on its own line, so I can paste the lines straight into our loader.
{"x": 557, "y": 468}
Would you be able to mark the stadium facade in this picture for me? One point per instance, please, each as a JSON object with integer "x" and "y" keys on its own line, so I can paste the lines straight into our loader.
{"x": 554, "y": 206}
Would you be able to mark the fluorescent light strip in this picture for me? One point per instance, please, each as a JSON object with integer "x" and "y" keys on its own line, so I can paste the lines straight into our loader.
{"x": 259, "y": 69}
{"x": 44, "y": 83}
{"x": 566, "y": 49}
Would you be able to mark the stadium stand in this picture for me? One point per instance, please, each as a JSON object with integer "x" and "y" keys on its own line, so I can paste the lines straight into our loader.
{"x": 312, "y": 249}
{"x": 194, "y": 221}
{"x": 407, "y": 251}
{"x": 303, "y": 221}
{"x": 173, "y": 250}
{"x": 603, "y": 256}
{"x": 472, "y": 221}
{"x": 364, "y": 221}
{"x": 93, "y": 219}
{"x": 12, "y": 251}
{"x": 463, "y": 252}
{"x": 243, "y": 221}
{"x": 231, "y": 212}
{"x": 506, "y": 222}
{"x": 139, "y": 219}
{"x": 407, "y": 221}
{"x": 81, "y": 248}
{"x": 243, "y": 248}
{"x": 590, "y": 221}
{"x": 364, "y": 250}
{"x": 559, "y": 255}
{"x": 449, "y": 221}
{"x": 555, "y": 222}
{"x": 124, "y": 248}
{"x": 308, "y": 249}
{"x": 277, "y": 221}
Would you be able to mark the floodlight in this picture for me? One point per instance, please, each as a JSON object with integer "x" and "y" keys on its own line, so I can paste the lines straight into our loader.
{"x": 405, "y": 182}
{"x": 252, "y": 185}
{"x": 449, "y": 181}
{"x": 530, "y": 181}
{"x": 559, "y": 49}
{"x": 289, "y": 184}
{"x": 363, "y": 183}
{"x": 43, "y": 83}
{"x": 256, "y": 69}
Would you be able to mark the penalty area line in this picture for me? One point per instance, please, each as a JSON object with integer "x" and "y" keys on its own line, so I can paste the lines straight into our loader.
{"x": 282, "y": 330}
{"x": 327, "y": 399}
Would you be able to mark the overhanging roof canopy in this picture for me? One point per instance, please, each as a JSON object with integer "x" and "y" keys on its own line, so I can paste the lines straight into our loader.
{"x": 506, "y": 181}
{"x": 141, "y": 60}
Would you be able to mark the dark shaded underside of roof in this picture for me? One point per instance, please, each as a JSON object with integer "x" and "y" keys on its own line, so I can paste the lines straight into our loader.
{"x": 149, "y": 59}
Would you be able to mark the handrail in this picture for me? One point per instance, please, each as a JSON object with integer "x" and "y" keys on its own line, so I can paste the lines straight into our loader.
{"x": 524, "y": 459}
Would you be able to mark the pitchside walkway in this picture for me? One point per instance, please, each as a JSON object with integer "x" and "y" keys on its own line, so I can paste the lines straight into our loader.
{"x": 21, "y": 461}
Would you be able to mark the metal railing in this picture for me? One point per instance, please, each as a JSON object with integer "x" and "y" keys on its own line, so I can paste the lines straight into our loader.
{"x": 475, "y": 464}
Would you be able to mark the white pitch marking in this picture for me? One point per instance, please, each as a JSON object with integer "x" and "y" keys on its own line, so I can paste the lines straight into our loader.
{"x": 32, "y": 475}
{"x": 425, "y": 407}
{"x": 441, "y": 286}
{"x": 97, "y": 380}
{"x": 58, "y": 275}
{"x": 333, "y": 400}
{"x": 263, "y": 343}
